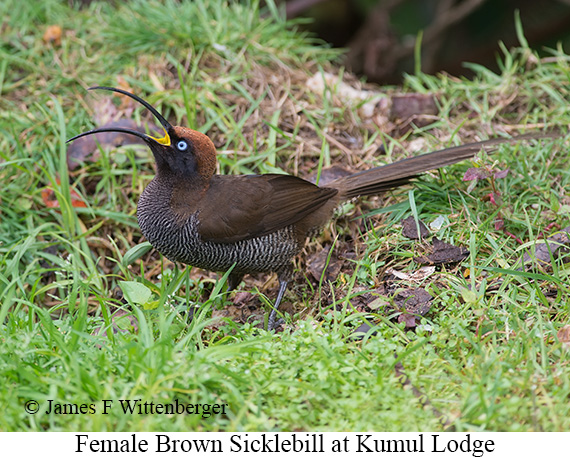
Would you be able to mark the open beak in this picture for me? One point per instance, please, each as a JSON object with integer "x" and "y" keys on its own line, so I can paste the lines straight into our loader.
{"x": 165, "y": 140}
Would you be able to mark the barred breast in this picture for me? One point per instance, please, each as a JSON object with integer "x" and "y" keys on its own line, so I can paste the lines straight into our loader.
{"x": 180, "y": 241}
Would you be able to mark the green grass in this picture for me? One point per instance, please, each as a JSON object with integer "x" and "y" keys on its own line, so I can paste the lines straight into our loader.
{"x": 486, "y": 355}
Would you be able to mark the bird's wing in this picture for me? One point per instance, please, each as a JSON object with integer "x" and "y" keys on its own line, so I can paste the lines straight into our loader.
{"x": 237, "y": 208}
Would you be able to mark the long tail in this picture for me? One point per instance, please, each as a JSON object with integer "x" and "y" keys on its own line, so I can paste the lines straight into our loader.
{"x": 381, "y": 179}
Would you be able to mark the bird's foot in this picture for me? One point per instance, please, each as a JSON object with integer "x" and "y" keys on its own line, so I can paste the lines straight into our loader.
{"x": 272, "y": 324}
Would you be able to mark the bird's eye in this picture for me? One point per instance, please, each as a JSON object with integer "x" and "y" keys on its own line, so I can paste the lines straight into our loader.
{"x": 182, "y": 145}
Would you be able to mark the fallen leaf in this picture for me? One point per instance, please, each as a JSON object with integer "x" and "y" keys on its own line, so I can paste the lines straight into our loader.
{"x": 361, "y": 297}
{"x": 564, "y": 336}
{"x": 362, "y": 330}
{"x": 408, "y": 319}
{"x": 317, "y": 263}
{"x": 378, "y": 302}
{"x": 415, "y": 301}
{"x": 437, "y": 223}
{"x": 410, "y": 228}
{"x": 52, "y": 35}
{"x": 409, "y": 303}
{"x": 443, "y": 253}
{"x": 243, "y": 298}
{"x": 50, "y": 200}
{"x": 406, "y": 106}
{"x": 240, "y": 314}
{"x": 126, "y": 102}
{"x": 364, "y": 100}
{"x": 412, "y": 303}
{"x": 416, "y": 276}
{"x": 85, "y": 149}
{"x": 546, "y": 250}
{"x": 233, "y": 312}
{"x": 106, "y": 112}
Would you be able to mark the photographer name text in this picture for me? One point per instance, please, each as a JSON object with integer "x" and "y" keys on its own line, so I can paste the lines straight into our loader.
{"x": 130, "y": 407}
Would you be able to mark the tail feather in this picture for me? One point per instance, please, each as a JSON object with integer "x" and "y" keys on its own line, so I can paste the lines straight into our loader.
{"x": 381, "y": 179}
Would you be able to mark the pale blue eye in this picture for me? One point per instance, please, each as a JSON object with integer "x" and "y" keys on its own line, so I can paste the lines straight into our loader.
{"x": 182, "y": 145}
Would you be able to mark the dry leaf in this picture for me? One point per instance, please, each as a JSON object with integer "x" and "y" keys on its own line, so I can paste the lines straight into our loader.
{"x": 52, "y": 35}
{"x": 365, "y": 100}
{"x": 437, "y": 223}
{"x": 443, "y": 253}
{"x": 545, "y": 251}
{"x": 362, "y": 330}
{"x": 51, "y": 201}
{"x": 105, "y": 111}
{"x": 412, "y": 303}
{"x": 85, "y": 149}
{"x": 408, "y": 106}
{"x": 416, "y": 276}
{"x": 126, "y": 102}
{"x": 378, "y": 302}
{"x": 316, "y": 263}
{"x": 410, "y": 228}
{"x": 564, "y": 336}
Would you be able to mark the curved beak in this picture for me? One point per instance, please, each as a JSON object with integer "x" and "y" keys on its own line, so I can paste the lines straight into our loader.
{"x": 165, "y": 141}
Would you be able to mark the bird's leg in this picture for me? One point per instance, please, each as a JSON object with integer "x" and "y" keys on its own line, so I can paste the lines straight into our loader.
{"x": 273, "y": 314}
{"x": 233, "y": 280}
{"x": 284, "y": 278}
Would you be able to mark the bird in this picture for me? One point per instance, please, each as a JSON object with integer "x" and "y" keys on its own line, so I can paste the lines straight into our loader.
{"x": 254, "y": 223}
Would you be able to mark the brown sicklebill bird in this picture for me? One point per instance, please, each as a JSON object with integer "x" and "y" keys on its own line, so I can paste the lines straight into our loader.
{"x": 250, "y": 223}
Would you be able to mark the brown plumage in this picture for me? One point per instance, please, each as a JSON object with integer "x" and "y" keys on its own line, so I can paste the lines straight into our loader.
{"x": 251, "y": 223}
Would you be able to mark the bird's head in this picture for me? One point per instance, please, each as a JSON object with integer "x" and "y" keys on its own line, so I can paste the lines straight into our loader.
{"x": 181, "y": 151}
